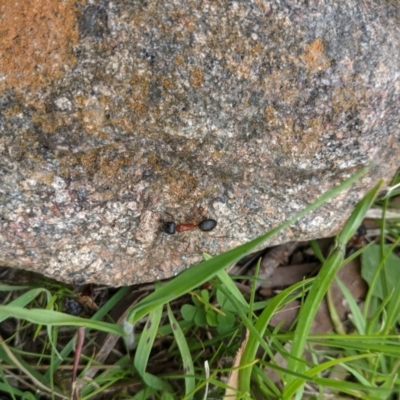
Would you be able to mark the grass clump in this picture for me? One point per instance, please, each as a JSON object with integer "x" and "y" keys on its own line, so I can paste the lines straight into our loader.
{"x": 201, "y": 335}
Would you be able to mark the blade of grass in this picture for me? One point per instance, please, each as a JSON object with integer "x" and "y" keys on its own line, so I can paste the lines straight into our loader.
{"x": 101, "y": 313}
{"x": 228, "y": 283}
{"x": 378, "y": 274}
{"x": 260, "y": 327}
{"x": 317, "y": 251}
{"x": 11, "y": 288}
{"x": 357, "y": 317}
{"x": 292, "y": 388}
{"x": 7, "y": 388}
{"x": 48, "y": 317}
{"x": 393, "y": 312}
{"x": 144, "y": 348}
{"x": 197, "y": 275}
{"x": 33, "y": 375}
{"x": 254, "y": 288}
{"x": 320, "y": 285}
{"x": 25, "y": 299}
{"x": 180, "y": 340}
{"x": 146, "y": 341}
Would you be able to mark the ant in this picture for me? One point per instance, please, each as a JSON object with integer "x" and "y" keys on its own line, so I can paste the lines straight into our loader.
{"x": 206, "y": 225}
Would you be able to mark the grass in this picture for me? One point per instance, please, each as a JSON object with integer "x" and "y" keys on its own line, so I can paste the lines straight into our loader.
{"x": 199, "y": 336}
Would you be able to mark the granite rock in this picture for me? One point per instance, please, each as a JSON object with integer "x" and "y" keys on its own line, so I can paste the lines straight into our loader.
{"x": 116, "y": 116}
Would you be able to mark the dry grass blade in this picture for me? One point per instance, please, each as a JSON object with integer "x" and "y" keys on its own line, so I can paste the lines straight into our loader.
{"x": 233, "y": 382}
{"x": 23, "y": 369}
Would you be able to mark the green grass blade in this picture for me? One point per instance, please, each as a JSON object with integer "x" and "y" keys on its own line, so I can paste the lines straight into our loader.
{"x": 30, "y": 372}
{"x": 324, "y": 279}
{"x": 11, "y": 288}
{"x": 393, "y": 312}
{"x": 197, "y": 275}
{"x": 357, "y": 216}
{"x": 55, "y": 318}
{"x": 25, "y": 299}
{"x": 374, "y": 288}
{"x": 109, "y": 305}
{"x": 228, "y": 283}
{"x": 253, "y": 342}
{"x": 292, "y": 388}
{"x": 146, "y": 343}
{"x": 357, "y": 317}
{"x": 187, "y": 360}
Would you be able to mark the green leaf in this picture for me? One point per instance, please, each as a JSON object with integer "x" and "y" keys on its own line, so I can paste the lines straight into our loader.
{"x": 323, "y": 280}
{"x": 225, "y": 322}
{"x": 55, "y": 318}
{"x": 200, "y": 317}
{"x": 196, "y": 301}
{"x": 183, "y": 346}
{"x": 188, "y": 312}
{"x": 371, "y": 260}
{"x": 109, "y": 305}
{"x": 225, "y": 304}
{"x": 146, "y": 342}
{"x": 205, "y": 296}
{"x": 10, "y": 288}
{"x": 211, "y": 318}
{"x": 229, "y": 285}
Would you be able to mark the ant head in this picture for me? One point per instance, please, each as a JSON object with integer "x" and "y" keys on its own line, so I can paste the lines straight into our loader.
{"x": 207, "y": 225}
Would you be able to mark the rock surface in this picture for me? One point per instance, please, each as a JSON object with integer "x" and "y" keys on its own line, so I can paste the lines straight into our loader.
{"x": 118, "y": 115}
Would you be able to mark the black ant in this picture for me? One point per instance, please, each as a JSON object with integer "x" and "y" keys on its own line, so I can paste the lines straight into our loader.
{"x": 206, "y": 225}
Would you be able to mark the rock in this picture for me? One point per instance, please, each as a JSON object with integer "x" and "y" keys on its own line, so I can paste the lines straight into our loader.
{"x": 116, "y": 116}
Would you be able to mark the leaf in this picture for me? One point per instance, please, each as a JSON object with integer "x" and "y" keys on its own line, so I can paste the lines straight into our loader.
{"x": 211, "y": 317}
{"x": 224, "y": 303}
{"x": 55, "y": 318}
{"x": 205, "y": 296}
{"x": 329, "y": 268}
{"x": 183, "y": 346}
{"x": 225, "y": 322}
{"x": 146, "y": 341}
{"x": 188, "y": 312}
{"x": 200, "y": 317}
{"x": 370, "y": 260}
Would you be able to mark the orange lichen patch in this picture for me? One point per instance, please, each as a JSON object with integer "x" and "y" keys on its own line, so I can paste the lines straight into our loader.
{"x": 257, "y": 49}
{"x": 315, "y": 57}
{"x": 43, "y": 177}
{"x": 196, "y": 78}
{"x": 182, "y": 184}
{"x": 271, "y": 115}
{"x": 92, "y": 115}
{"x": 110, "y": 168}
{"x": 168, "y": 84}
{"x": 179, "y": 60}
{"x": 140, "y": 91}
{"x": 49, "y": 123}
{"x": 36, "y": 39}
{"x": 300, "y": 141}
{"x": 13, "y": 112}
{"x": 350, "y": 98}
{"x": 154, "y": 162}
{"x": 281, "y": 83}
{"x": 100, "y": 164}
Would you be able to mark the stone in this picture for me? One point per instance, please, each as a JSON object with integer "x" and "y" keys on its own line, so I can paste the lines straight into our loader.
{"x": 117, "y": 116}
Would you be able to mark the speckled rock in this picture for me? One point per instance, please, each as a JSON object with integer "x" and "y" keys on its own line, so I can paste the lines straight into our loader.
{"x": 116, "y": 116}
